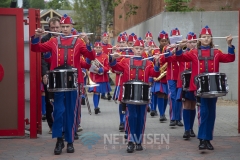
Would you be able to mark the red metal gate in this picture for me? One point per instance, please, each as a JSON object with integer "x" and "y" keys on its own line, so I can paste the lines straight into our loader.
{"x": 11, "y": 72}
{"x": 35, "y": 78}
{"x": 238, "y": 71}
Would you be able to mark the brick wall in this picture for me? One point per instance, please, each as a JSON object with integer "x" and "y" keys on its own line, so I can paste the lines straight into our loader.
{"x": 150, "y": 8}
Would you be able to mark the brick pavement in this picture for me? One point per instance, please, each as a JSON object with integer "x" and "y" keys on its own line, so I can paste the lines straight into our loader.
{"x": 226, "y": 140}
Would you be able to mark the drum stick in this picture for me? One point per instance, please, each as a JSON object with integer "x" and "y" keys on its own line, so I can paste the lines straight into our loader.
{"x": 51, "y": 32}
{"x": 153, "y": 56}
{"x": 78, "y": 35}
{"x": 121, "y": 47}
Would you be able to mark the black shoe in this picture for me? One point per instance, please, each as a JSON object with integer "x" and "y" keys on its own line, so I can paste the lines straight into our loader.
{"x": 156, "y": 114}
{"x": 44, "y": 117}
{"x": 202, "y": 145}
{"x": 130, "y": 147}
{"x": 186, "y": 135}
{"x": 165, "y": 119}
{"x": 148, "y": 109}
{"x": 125, "y": 136}
{"x": 172, "y": 123}
{"x": 109, "y": 97}
{"x": 70, "y": 148}
{"x": 209, "y": 145}
{"x": 97, "y": 110}
{"x": 179, "y": 123}
{"x": 121, "y": 127}
{"x": 76, "y": 137}
{"x": 192, "y": 134}
{"x": 139, "y": 147}
{"x": 103, "y": 97}
{"x": 152, "y": 113}
{"x": 83, "y": 101}
{"x": 59, "y": 146}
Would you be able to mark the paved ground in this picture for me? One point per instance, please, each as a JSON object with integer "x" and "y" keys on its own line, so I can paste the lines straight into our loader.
{"x": 101, "y": 139}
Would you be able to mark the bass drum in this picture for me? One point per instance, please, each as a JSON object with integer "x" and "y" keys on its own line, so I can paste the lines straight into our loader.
{"x": 136, "y": 92}
{"x": 210, "y": 85}
{"x": 62, "y": 80}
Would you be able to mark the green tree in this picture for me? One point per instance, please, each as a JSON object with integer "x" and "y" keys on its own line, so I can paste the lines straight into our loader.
{"x": 94, "y": 15}
{"x": 38, "y": 4}
{"x": 5, "y": 3}
{"x": 59, "y": 4}
{"x": 178, "y": 5}
{"x": 26, "y": 4}
{"x": 87, "y": 15}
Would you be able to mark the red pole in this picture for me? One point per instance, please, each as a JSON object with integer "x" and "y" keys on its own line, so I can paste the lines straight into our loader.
{"x": 34, "y": 76}
{"x": 238, "y": 71}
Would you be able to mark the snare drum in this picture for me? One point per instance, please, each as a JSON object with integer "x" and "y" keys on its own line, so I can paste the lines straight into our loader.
{"x": 62, "y": 80}
{"x": 136, "y": 92}
{"x": 210, "y": 85}
{"x": 186, "y": 76}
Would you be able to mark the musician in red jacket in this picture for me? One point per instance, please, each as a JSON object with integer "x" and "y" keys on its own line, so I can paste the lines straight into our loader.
{"x": 65, "y": 54}
{"x": 135, "y": 69}
{"x": 117, "y": 95}
{"x": 175, "y": 109}
{"x": 99, "y": 75}
{"x": 206, "y": 60}
{"x": 187, "y": 97}
{"x": 105, "y": 46}
{"x": 160, "y": 88}
{"x": 148, "y": 38}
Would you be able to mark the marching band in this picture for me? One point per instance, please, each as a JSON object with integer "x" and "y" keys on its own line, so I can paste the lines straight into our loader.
{"x": 183, "y": 74}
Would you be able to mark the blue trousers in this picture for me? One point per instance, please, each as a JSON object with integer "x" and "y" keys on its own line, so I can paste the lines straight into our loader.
{"x": 175, "y": 109}
{"x": 136, "y": 118}
{"x": 207, "y": 117}
{"x": 96, "y": 98}
{"x": 121, "y": 115}
{"x": 64, "y": 103}
{"x": 153, "y": 102}
{"x": 43, "y": 106}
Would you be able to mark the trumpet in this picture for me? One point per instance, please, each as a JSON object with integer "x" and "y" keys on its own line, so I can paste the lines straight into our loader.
{"x": 163, "y": 73}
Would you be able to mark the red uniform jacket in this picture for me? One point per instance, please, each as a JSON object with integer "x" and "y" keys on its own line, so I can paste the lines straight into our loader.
{"x": 130, "y": 74}
{"x": 198, "y": 66}
{"x": 119, "y": 78}
{"x": 57, "y": 54}
{"x": 102, "y": 58}
{"x": 84, "y": 65}
{"x": 162, "y": 62}
{"x": 172, "y": 67}
{"x": 105, "y": 48}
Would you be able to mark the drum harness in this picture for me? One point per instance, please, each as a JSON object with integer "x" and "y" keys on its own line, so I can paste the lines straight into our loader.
{"x": 65, "y": 47}
{"x": 132, "y": 66}
{"x": 205, "y": 59}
